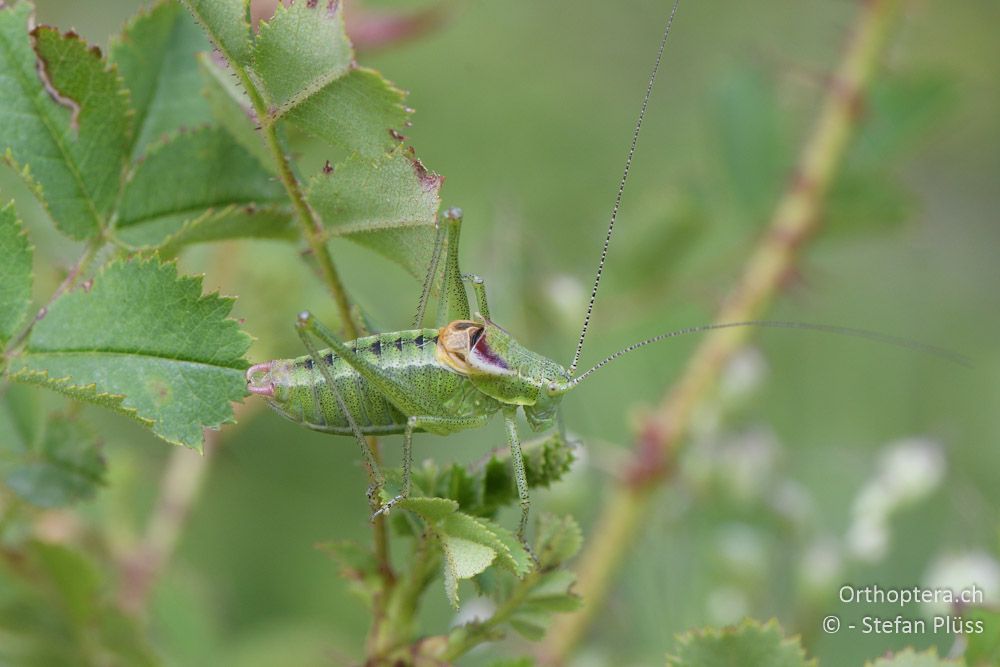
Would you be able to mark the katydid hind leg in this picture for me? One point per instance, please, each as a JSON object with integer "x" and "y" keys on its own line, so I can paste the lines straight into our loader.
{"x": 397, "y": 391}
{"x": 454, "y": 304}
{"x": 432, "y": 274}
{"x": 378, "y": 479}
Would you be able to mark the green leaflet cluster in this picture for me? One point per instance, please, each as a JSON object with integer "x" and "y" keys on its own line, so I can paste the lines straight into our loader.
{"x": 483, "y": 489}
{"x": 177, "y": 136}
{"x": 749, "y": 643}
{"x": 159, "y": 146}
{"x": 299, "y": 70}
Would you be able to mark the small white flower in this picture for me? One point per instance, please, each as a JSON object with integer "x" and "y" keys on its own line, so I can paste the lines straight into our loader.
{"x": 821, "y": 566}
{"x": 742, "y": 549}
{"x": 960, "y": 572}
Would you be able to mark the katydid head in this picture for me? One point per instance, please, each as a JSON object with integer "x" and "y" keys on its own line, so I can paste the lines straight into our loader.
{"x": 500, "y": 367}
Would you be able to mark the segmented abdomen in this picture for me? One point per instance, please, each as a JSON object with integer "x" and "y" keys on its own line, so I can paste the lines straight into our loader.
{"x": 302, "y": 395}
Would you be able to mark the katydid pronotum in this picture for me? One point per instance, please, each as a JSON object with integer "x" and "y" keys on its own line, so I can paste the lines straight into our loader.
{"x": 454, "y": 377}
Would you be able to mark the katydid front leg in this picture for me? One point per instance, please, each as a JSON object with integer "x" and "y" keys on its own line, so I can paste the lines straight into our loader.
{"x": 437, "y": 425}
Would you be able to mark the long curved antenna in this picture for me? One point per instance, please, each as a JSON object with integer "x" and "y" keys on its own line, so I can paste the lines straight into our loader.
{"x": 621, "y": 187}
{"x": 939, "y": 352}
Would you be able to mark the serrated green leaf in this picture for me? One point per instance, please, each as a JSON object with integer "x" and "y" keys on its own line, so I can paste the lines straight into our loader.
{"x": 510, "y": 553}
{"x": 193, "y": 173}
{"x": 232, "y": 109}
{"x": 64, "y": 467}
{"x": 466, "y": 558}
{"x": 300, "y": 50}
{"x": 910, "y": 658}
{"x": 552, "y": 593}
{"x": 145, "y": 342}
{"x": 983, "y": 648}
{"x": 388, "y": 205}
{"x": 156, "y": 57}
{"x": 529, "y": 626}
{"x": 227, "y": 24}
{"x": 430, "y": 509}
{"x": 234, "y": 222}
{"x": 463, "y": 559}
{"x": 360, "y": 112}
{"x": 64, "y": 118}
{"x": 749, "y": 643}
{"x": 15, "y": 273}
{"x": 549, "y": 594}
{"x": 558, "y": 540}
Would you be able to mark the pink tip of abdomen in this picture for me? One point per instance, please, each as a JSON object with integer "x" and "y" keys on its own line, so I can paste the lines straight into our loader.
{"x": 259, "y": 379}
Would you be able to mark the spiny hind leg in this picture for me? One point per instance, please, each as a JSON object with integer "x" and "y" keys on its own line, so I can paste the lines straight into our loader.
{"x": 304, "y": 328}
{"x": 431, "y": 275}
{"x": 520, "y": 477}
{"x": 439, "y": 425}
{"x": 479, "y": 287}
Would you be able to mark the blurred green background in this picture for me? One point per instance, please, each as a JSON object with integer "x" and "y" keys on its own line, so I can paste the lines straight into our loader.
{"x": 526, "y": 108}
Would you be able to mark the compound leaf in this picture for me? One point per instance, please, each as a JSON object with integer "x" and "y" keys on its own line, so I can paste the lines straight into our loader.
{"x": 64, "y": 121}
{"x": 749, "y": 643}
{"x": 15, "y": 273}
{"x": 145, "y": 342}
{"x": 388, "y": 205}
{"x": 180, "y": 180}
{"x": 156, "y": 57}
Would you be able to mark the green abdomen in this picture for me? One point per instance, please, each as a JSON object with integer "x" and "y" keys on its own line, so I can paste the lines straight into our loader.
{"x": 302, "y": 395}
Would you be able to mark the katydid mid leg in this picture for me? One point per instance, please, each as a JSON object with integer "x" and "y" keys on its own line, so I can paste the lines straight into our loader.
{"x": 517, "y": 459}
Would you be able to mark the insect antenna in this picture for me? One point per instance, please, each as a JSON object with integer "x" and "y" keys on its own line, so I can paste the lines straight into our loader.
{"x": 621, "y": 186}
{"x": 940, "y": 352}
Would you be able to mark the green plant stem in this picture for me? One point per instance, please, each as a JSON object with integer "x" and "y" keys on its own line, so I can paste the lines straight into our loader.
{"x": 794, "y": 221}
{"x": 398, "y": 627}
{"x": 312, "y": 231}
{"x": 467, "y": 638}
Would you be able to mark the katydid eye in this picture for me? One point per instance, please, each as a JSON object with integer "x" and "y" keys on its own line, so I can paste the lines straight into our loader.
{"x": 476, "y": 335}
